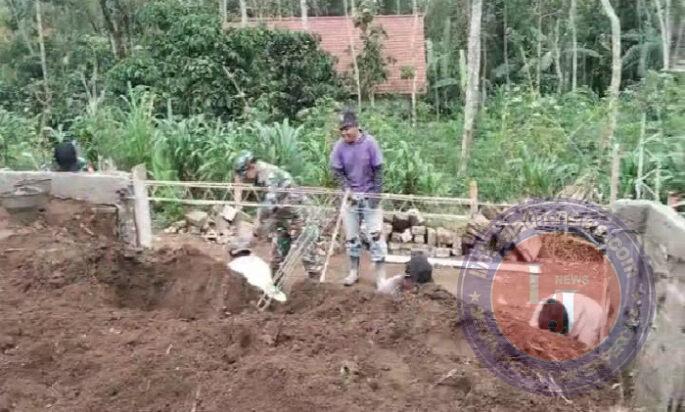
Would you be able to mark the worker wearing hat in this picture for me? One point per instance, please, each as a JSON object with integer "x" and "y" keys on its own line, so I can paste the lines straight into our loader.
{"x": 357, "y": 163}
{"x": 283, "y": 224}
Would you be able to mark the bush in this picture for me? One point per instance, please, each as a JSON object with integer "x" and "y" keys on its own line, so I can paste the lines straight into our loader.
{"x": 202, "y": 69}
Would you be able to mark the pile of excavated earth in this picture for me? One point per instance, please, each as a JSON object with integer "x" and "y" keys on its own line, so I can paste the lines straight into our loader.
{"x": 87, "y": 324}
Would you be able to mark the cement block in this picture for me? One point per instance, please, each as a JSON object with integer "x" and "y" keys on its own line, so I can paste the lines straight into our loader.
{"x": 197, "y": 218}
{"x": 445, "y": 237}
{"x": 416, "y": 218}
{"x": 400, "y": 222}
{"x": 88, "y": 187}
{"x": 530, "y": 248}
{"x": 431, "y": 237}
{"x": 442, "y": 252}
{"x": 666, "y": 227}
{"x": 632, "y": 213}
{"x": 406, "y": 236}
{"x": 229, "y": 213}
{"x": 394, "y": 247}
{"x": 418, "y": 230}
{"x": 420, "y": 239}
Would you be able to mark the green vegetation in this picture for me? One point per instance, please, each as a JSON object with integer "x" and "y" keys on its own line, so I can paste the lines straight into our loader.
{"x": 183, "y": 96}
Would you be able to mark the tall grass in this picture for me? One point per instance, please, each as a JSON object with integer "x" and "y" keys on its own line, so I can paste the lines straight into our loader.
{"x": 525, "y": 145}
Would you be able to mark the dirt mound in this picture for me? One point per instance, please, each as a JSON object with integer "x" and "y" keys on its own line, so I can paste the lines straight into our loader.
{"x": 172, "y": 330}
{"x": 568, "y": 248}
{"x": 539, "y": 343}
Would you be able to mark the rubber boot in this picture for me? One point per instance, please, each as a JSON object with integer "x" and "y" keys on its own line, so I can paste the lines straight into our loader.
{"x": 379, "y": 272}
{"x": 353, "y": 277}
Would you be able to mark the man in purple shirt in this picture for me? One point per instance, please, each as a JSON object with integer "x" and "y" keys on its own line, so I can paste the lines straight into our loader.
{"x": 357, "y": 163}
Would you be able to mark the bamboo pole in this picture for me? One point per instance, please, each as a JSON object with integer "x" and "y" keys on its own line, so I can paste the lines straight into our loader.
{"x": 334, "y": 236}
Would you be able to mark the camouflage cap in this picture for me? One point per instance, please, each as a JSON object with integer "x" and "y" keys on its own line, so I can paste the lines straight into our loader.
{"x": 241, "y": 162}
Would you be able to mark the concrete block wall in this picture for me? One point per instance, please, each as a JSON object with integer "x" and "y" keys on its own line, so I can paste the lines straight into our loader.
{"x": 112, "y": 189}
{"x": 659, "y": 373}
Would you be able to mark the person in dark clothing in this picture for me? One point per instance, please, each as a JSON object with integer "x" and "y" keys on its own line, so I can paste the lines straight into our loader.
{"x": 417, "y": 271}
{"x": 67, "y": 160}
{"x": 553, "y": 317}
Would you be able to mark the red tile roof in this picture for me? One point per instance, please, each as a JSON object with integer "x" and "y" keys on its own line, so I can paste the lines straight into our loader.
{"x": 404, "y": 45}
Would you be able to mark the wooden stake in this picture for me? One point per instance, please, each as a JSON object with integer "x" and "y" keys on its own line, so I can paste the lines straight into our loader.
{"x": 473, "y": 197}
{"x": 142, "y": 207}
{"x": 615, "y": 170}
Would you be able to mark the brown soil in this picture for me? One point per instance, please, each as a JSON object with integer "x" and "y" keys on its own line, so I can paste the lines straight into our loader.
{"x": 87, "y": 325}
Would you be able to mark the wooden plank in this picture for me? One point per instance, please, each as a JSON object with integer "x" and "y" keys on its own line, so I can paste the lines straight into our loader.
{"x": 142, "y": 216}
{"x": 459, "y": 263}
{"x": 473, "y": 196}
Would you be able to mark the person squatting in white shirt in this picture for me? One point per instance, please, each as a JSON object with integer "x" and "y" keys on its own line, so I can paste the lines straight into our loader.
{"x": 572, "y": 314}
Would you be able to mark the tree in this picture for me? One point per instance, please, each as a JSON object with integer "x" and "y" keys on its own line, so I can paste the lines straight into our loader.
{"x": 200, "y": 68}
{"x": 663, "y": 9}
{"x": 471, "y": 102}
{"x": 243, "y": 13}
{"x": 615, "y": 85}
{"x": 355, "y": 62}
{"x": 370, "y": 62}
{"x": 303, "y": 12}
{"x": 117, "y": 24}
{"x": 574, "y": 45}
{"x": 43, "y": 60}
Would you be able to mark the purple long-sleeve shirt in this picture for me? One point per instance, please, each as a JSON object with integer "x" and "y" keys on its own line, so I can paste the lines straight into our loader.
{"x": 359, "y": 164}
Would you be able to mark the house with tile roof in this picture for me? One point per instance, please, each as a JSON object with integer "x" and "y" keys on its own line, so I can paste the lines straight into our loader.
{"x": 404, "y": 46}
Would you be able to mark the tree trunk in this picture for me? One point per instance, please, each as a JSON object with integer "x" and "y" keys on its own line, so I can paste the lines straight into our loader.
{"x": 43, "y": 59}
{"x": 125, "y": 26}
{"x": 243, "y": 13}
{"x": 663, "y": 9}
{"x": 527, "y": 67}
{"x": 557, "y": 59}
{"x": 114, "y": 30}
{"x": 641, "y": 157}
{"x": 303, "y": 13}
{"x": 484, "y": 68}
{"x": 223, "y": 12}
{"x": 20, "y": 26}
{"x": 615, "y": 71}
{"x": 353, "y": 51}
{"x": 415, "y": 21}
{"x": 505, "y": 42}
{"x": 574, "y": 45}
{"x": 538, "y": 71}
{"x": 471, "y": 103}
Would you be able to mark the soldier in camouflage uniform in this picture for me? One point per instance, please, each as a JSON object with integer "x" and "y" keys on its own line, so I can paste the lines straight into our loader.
{"x": 283, "y": 224}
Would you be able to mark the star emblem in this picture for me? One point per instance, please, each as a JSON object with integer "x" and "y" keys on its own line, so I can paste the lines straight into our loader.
{"x": 475, "y": 296}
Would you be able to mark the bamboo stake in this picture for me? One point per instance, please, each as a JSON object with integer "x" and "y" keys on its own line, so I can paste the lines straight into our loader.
{"x": 334, "y": 236}
{"x": 615, "y": 170}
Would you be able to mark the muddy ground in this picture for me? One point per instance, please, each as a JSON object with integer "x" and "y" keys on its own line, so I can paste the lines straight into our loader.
{"x": 88, "y": 325}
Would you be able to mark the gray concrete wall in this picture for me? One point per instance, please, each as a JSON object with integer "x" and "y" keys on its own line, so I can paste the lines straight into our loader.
{"x": 89, "y": 187}
{"x": 103, "y": 189}
{"x": 659, "y": 373}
